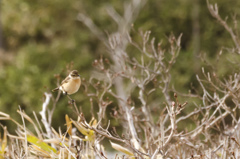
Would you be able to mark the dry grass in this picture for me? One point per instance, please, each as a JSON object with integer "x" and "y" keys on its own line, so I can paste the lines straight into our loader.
{"x": 215, "y": 119}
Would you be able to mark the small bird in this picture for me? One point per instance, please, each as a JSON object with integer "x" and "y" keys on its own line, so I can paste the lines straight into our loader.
{"x": 70, "y": 84}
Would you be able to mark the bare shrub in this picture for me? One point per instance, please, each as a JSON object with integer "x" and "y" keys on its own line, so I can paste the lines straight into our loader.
{"x": 135, "y": 78}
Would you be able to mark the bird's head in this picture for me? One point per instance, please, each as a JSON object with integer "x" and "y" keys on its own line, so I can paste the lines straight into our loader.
{"x": 74, "y": 73}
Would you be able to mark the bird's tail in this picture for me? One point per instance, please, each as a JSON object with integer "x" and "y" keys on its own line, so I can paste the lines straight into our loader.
{"x": 56, "y": 89}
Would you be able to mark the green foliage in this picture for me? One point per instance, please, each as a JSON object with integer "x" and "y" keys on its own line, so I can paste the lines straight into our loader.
{"x": 42, "y": 37}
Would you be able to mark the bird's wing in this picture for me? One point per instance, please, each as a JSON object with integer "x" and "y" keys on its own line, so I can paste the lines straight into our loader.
{"x": 65, "y": 80}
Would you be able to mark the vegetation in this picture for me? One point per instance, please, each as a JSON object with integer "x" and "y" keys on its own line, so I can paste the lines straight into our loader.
{"x": 157, "y": 82}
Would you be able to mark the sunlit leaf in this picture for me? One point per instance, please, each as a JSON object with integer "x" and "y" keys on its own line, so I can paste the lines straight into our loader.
{"x": 121, "y": 149}
{"x": 34, "y": 140}
{"x": 69, "y": 125}
{"x": 89, "y": 134}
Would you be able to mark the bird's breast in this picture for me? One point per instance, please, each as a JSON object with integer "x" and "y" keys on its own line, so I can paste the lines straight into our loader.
{"x": 72, "y": 86}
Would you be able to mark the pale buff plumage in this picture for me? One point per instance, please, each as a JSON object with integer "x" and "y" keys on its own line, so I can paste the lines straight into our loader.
{"x": 70, "y": 84}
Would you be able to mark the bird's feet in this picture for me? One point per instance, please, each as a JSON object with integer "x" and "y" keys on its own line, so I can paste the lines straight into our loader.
{"x": 72, "y": 101}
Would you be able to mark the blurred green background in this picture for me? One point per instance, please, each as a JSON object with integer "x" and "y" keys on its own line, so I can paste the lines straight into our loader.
{"x": 40, "y": 38}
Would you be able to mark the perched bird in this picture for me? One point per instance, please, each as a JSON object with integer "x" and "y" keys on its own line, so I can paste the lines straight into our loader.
{"x": 70, "y": 84}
